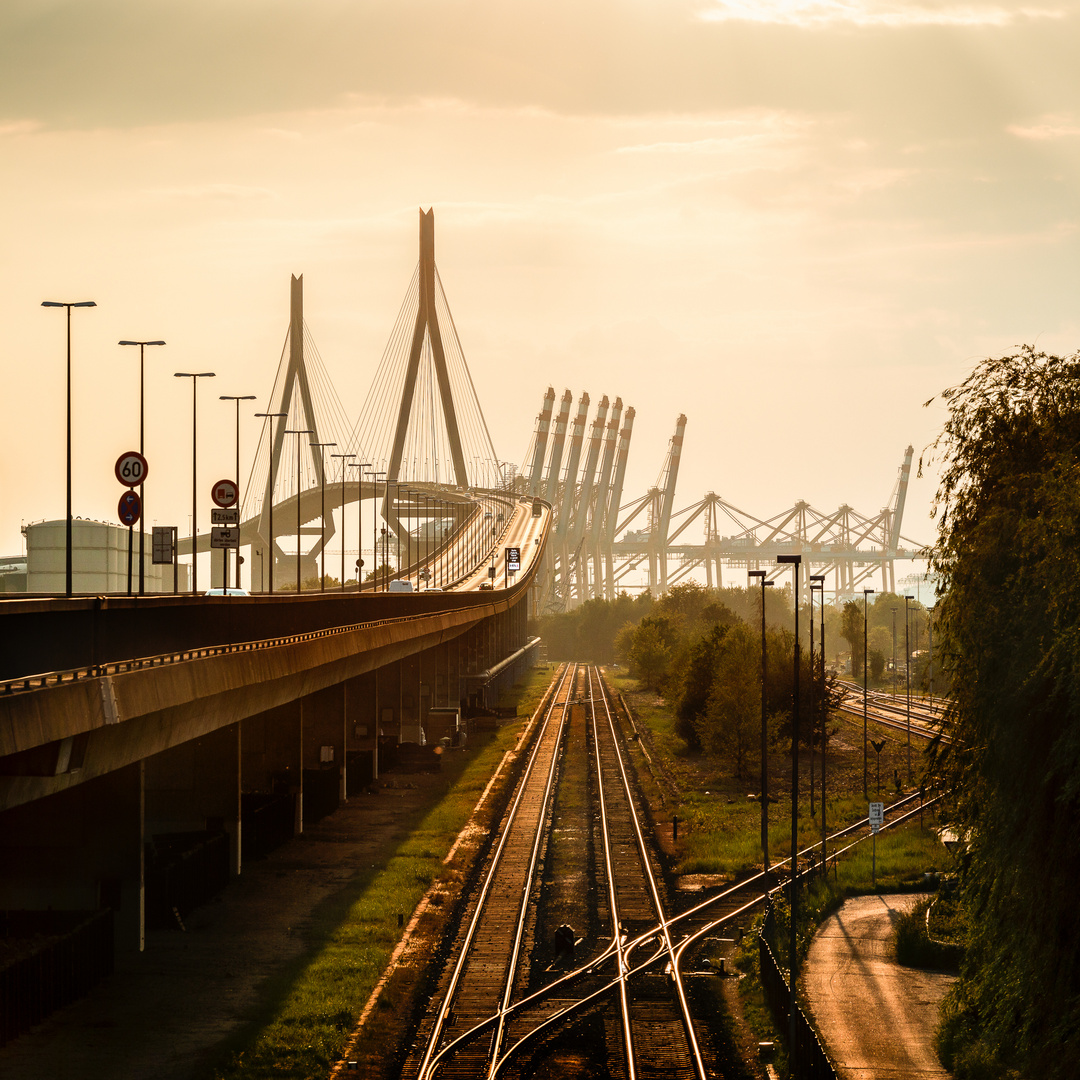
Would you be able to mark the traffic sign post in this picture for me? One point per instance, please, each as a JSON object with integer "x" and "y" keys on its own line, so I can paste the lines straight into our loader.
{"x": 877, "y": 819}
{"x": 224, "y": 537}
{"x": 131, "y": 468}
{"x": 224, "y": 493}
{"x": 164, "y": 550}
{"x": 129, "y": 510}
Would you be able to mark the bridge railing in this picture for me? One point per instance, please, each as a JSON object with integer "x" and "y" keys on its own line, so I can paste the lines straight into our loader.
{"x": 42, "y": 680}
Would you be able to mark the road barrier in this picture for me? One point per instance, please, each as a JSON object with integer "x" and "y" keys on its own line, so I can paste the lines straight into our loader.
{"x": 77, "y": 951}
{"x": 814, "y": 1063}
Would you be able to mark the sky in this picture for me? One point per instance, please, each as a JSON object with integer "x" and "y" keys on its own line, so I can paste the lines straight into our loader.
{"x": 795, "y": 221}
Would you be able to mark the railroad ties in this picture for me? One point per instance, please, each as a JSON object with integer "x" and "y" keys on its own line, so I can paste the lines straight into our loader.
{"x": 521, "y": 987}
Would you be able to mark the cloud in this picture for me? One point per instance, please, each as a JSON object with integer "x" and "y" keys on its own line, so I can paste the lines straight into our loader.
{"x": 226, "y": 192}
{"x": 1049, "y": 127}
{"x": 870, "y": 13}
{"x": 19, "y": 127}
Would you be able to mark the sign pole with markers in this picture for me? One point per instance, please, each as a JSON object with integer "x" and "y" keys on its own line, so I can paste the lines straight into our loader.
{"x": 225, "y": 494}
{"x": 131, "y": 471}
{"x": 877, "y": 819}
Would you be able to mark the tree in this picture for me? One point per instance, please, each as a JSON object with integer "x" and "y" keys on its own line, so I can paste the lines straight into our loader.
{"x": 851, "y": 629}
{"x": 1008, "y": 627}
{"x": 731, "y": 725}
{"x": 650, "y": 654}
{"x": 876, "y": 659}
{"x": 696, "y": 683}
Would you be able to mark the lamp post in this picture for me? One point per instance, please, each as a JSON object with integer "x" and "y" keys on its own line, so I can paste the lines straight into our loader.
{"x": 270, "y": 510}
{"x": 298, "y": 432}
{"x": 813, "y": 807}
{"x": 764, "y": 741}
{"x": 894, "y": 655}
{"x": 194, "y": 376}
{"x": 930, "y": 631}
{"x": 817, "y": 581}
{"x": 375, "y": 531}
{"x": 223, "y": 397}
{"x": 907, "y": 677}
{"x": 69, "y": 306}
{"x": 866, "y": 593}
{"x": 142, "y": 431}
{"x": 320, "y": 446}
{"x": 794, "y": 561}
{"x": 343, "y": 457}
{"x": 408, "y": 539}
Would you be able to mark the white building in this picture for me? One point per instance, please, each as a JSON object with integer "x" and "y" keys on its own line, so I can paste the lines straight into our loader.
{"x": 99, "y": 559}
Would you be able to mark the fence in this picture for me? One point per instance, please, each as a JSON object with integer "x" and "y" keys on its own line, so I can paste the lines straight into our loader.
{"x": 813, "y": 1061}
{"x": 267, "y": 821}
{"x": 184, "y": 871}
{"x": 78, "y": 953}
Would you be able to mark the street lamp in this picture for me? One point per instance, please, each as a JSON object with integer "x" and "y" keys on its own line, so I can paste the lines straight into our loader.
{"x": 194, "y": 376}
{"x": 322, "y": 512}
{"x": 793, "y": 958}
{"x": 817, "y": 584}
{"x": 343, "y": 457}
{"x": 907, "y": 676}
{"x": 69, "y": 306}
{"x": 866, "y": 593}
{"x": 298, "y": 432}
{"x": 270, "y": 445}
{"x": 374, "y": 531}
{"x": 930, "y": 630}
{"x": 237, "y": 399}
{"x": 142, "y": 495}
{"x": 764, "y": 740}
{"x": 894, "y": 655}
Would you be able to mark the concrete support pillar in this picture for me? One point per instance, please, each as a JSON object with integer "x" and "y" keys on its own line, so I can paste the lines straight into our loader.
{"x": 324, "y": 731}
{"x": 272, "y": 758}
{"x": 361, "y": 732}
{"x": 195, "y": 787}
{"x": 80, "y": 850}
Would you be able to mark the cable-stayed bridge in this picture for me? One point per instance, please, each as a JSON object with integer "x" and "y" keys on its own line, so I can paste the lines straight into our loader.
{"x": 132, "y": 723}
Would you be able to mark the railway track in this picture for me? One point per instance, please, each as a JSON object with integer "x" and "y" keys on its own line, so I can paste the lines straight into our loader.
{"x": 502, "y": 1006}
{"x": 891, "y": 712}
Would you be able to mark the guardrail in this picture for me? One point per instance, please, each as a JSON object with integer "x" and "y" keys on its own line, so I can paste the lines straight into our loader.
{"x": 814, "y": 1063}
{"x": 117, "y": 667}
{"x": 57, "y": 972}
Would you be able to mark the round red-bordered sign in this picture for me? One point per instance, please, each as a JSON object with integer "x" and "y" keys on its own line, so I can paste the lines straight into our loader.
{"x": 129, "y": 509}
{"x": 225, "y": 493}
{"x": 131, "y": 468}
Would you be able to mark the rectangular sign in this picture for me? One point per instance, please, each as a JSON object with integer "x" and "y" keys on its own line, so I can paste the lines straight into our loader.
{"x": 164, "y": 544}
{"x": 225, "y": 517}
{"x": 513, "y": 559}
{"x": 224, "y": 538}
{"x": 877, "y": 815}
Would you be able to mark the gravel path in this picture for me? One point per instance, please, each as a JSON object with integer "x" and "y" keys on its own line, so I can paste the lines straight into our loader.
{"x": 877, "y": 1018}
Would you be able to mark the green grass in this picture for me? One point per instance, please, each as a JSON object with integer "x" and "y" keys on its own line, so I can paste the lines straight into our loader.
{"x": 309, "y": 1010}
{"x": 720, "y": 833}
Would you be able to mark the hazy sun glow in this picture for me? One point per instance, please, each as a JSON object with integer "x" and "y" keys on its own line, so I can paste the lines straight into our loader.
{"x": 793, "y": 221}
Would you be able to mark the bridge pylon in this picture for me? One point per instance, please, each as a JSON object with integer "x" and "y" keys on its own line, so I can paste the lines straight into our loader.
{"x": 427, "y": 325}
{"x": 295, "y": 401}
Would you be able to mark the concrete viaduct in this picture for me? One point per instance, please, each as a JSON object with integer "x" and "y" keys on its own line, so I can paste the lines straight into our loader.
{"x": 164, "y": 715}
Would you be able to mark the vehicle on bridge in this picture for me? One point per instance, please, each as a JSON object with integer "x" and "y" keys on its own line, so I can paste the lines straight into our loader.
{"x": 400, "y": 585}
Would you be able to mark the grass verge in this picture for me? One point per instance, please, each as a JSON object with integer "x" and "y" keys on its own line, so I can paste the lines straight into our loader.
{"x": 310, "y": 1008}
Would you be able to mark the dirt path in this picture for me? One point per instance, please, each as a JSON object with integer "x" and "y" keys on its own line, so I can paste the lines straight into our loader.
{"x": 877, "y": 1018}
{"x": 165, "y": 1011}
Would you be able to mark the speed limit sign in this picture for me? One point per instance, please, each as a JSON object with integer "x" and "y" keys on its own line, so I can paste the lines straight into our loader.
{"x": 131, "y": 468}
